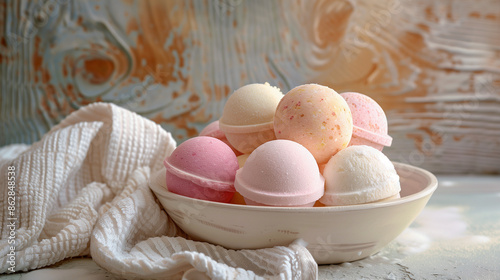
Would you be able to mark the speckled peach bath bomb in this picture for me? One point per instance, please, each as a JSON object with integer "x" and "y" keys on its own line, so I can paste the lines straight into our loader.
{"x": 317, "y": 117}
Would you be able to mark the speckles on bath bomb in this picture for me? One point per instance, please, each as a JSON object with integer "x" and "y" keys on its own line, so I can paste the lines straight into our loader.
{"x": 317, "y": 117}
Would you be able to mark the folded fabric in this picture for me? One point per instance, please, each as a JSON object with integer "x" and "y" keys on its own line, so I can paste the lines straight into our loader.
{"x": 83, "y": 190}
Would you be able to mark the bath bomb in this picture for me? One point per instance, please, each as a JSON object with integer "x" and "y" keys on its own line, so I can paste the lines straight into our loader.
{"x": 280, "y": 173}
{"x": 317, "y": 117}
{"x": 247, "y": 118}
{"x": 369, "y": 121}
{"x": 213, "y": 130}
{"x": 202, "y": 167}
{"x": 359, "y": 174}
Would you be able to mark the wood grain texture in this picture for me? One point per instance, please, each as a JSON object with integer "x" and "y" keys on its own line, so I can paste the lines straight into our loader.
{"x": 434, "y": 66}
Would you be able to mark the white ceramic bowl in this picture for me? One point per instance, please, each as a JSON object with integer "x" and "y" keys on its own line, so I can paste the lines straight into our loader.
{"x": 334, "y": 234}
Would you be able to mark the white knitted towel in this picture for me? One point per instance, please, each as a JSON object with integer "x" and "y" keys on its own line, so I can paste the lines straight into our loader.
{"x": 83, "y": 189}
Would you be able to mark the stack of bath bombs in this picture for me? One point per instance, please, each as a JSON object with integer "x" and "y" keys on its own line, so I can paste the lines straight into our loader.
{"x": 311, "y": 146}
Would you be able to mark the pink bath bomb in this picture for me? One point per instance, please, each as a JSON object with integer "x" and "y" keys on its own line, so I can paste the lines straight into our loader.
{"x": 213, "y": 130}
{"x": 202, "y": 167}
{"x": 280, "y": 173}
{"x": 369, "y": 121}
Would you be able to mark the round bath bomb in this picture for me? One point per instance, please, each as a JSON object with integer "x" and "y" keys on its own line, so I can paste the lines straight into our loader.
{"x": 317, "y": 117}
{"x": 202, "y": 167}
{"x": 213, "y": 130}
{"x": 280, "y": 173}
{"x": 369, "y": 121}
{"x": 247, "y": 119}
{"x": 359, "y": 174}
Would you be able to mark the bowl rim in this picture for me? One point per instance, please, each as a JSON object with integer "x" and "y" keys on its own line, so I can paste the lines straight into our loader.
{"x": 432, "y": 184}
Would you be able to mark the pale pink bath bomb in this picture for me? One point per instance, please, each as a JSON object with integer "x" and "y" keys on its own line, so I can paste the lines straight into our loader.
{"x": 202, "y": 167}
{"x": 280, "y": 173}
{"x": 369, "y": 120}
{"x": 213, "y": 130}
{"x": 316, "y": 117}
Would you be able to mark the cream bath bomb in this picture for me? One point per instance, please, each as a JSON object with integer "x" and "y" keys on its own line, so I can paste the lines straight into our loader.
{"x": 359, "y": 174}
{"x": 248, "y": 116}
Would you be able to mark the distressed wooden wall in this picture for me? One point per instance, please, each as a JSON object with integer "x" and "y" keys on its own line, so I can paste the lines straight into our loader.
{"x": 434, "y": 66}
